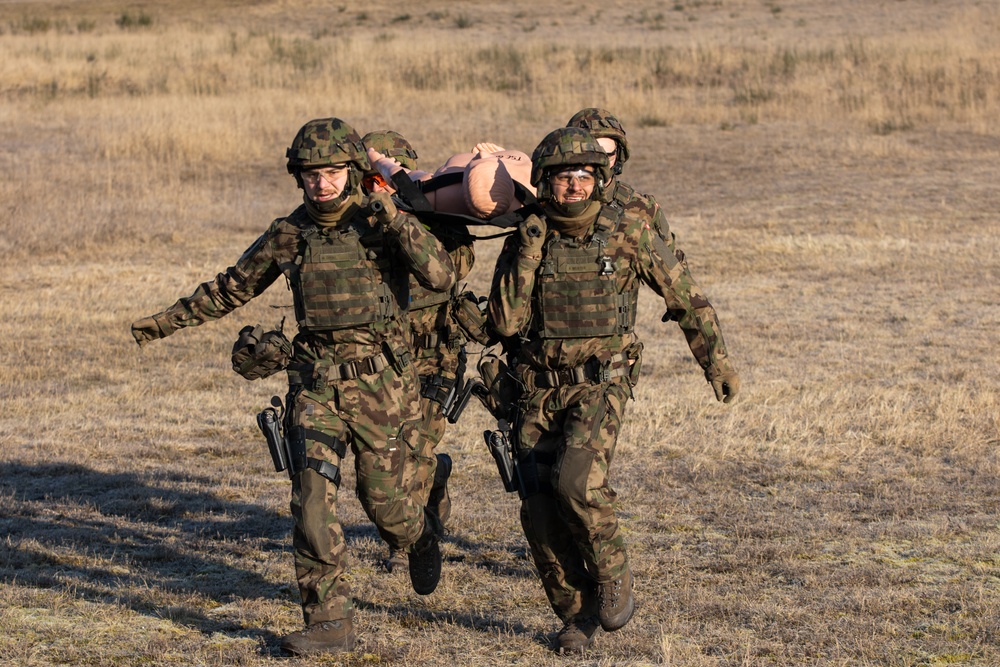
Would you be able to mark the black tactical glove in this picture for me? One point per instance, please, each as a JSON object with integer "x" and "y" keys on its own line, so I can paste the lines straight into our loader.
{"x": 151, "y": 328}
{"x": 385, "y": 211}
{"x": 724, "y": 379}
{"x": 531, "y": 232}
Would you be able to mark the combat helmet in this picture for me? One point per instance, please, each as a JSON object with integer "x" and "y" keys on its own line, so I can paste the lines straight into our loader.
{"x": 602, "y": 124}
{"x": 568, "y": 147}
{"x": 325, "y": 142}
{"x": 392, "y": 144}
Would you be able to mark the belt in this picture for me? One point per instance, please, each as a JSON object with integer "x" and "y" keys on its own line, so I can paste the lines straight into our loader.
{"x": 426, "y": 341}
{"x": 352, "y": 369}
{"x": 592, "y": 371}
{"x": 321, "y": 375}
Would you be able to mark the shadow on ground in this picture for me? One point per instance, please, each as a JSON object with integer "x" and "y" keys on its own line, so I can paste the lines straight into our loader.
{"x": 138, "y": 541}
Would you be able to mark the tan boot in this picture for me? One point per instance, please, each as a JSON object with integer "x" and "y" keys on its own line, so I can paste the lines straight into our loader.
{"x": 616, "y": 602}
{"x": 396, "y": 560}
{"x": 324, "y": 637}
{"x": 577, "y": 635}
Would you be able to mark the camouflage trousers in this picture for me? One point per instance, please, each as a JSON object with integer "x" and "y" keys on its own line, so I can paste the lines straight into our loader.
{"x": 568, "y": 436}
{"x": 440, "y": 361}
{"x": 379, "y": 416}
{"x": 431, "y": 428}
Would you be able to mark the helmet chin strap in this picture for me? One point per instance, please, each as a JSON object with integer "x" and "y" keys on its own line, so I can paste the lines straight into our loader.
{"x": 331, "y": 205}
{"x": 572, "y": 209}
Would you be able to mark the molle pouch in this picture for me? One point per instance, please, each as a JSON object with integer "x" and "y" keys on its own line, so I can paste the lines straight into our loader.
{"x": 500, "y": 393}
{"x": 258, "y": 354}
{"x": 470, "y": 314}
{"x": 633, "y": 354}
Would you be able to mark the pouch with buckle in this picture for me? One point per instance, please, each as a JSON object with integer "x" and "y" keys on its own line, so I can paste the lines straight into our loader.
{"x": 258, "y": 354}
{"x": 470, "y": 314}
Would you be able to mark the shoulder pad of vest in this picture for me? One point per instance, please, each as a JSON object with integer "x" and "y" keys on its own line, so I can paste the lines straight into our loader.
{"x": 623, "y": 192}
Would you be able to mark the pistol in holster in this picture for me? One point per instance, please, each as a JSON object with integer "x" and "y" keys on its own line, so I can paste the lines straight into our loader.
{"x": 500, "y": 447}
{"x": 271, "y": 423}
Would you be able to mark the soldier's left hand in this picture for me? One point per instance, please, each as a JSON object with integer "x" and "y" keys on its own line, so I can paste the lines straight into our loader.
{"x": 725, "y": 382}
{"x": 154, "y": 327}
{"x": 145, "y": 330}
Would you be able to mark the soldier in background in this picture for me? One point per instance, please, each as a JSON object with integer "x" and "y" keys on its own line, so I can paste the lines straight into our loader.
{"x": 567, "y": 285}
{"x": 437, "y": 340}
{"x": 610, "y": 135}
{"x": 347, "y": 260}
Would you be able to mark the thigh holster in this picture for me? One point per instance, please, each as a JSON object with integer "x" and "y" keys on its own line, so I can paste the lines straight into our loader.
{"x": 300, "y": 461}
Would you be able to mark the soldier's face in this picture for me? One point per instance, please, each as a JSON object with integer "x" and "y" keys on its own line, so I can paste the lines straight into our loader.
{"x": 325, "y": 184}
{"x": 573, "y": 185}
{"x": 610, "y": 147}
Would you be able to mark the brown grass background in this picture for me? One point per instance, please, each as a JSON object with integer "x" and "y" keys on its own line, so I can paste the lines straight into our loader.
{"x": 830, "y": 168}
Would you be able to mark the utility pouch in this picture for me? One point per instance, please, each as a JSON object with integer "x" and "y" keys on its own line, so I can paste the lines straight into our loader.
{"x": 258, "y": 354}
{"x": 439, "y": 389}
{"x": 633, "y": 353}
{"x": 501, "y": 392}
{"x": 469, "y": 312}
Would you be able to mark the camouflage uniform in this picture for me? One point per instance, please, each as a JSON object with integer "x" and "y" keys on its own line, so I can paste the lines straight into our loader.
{"x": 603, "y": 125}
{"x": 437, "y": 341}
{"x": 439, "y": 357}
{"x": 573, "y": 306}
{"x": 350, "y": 378}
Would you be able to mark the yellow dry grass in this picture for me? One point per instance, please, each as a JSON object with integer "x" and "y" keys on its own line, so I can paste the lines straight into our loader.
{"x": 830, "y": 169}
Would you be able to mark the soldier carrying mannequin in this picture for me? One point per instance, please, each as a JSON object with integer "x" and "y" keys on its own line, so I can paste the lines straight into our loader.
{"x": 348, "y": 260}
{"x": 565, "y": 288}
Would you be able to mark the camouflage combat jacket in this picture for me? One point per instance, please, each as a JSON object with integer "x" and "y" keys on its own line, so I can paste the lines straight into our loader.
{"x": 384, "y": 261}
{"x": 640, "y": 249}
{"x": 435, "y": 336}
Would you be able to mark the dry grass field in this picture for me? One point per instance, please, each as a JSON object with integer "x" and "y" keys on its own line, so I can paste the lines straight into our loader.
{"x": 832, "y": 170}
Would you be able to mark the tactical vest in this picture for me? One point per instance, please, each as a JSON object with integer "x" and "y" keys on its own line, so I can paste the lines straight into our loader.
{"x": 576, "y": 293}
{"x": 342, "y": 280}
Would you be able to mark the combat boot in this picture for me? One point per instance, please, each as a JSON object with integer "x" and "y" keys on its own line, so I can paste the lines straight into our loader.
{"x": 325, "y": 637}
{"x": 439, "y": 489}
{"x": 425, "y": 557}
{"x": 616, "y": 602}
{"x": 577, "y": 635}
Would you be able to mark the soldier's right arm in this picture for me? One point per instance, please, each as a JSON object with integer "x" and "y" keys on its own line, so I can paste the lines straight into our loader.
{"x": 256, "y": 269}
{"x": 509, "y": 306}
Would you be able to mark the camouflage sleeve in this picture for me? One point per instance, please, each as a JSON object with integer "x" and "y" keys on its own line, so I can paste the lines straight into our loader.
{"x": 664, "y": 268}
{"x": 457, "y": 241}
{"x": 463, "y": 257}
{"x": 509, "y": 306}
{"x": 254, "y": 272}
{"x": 427, "y": 258}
